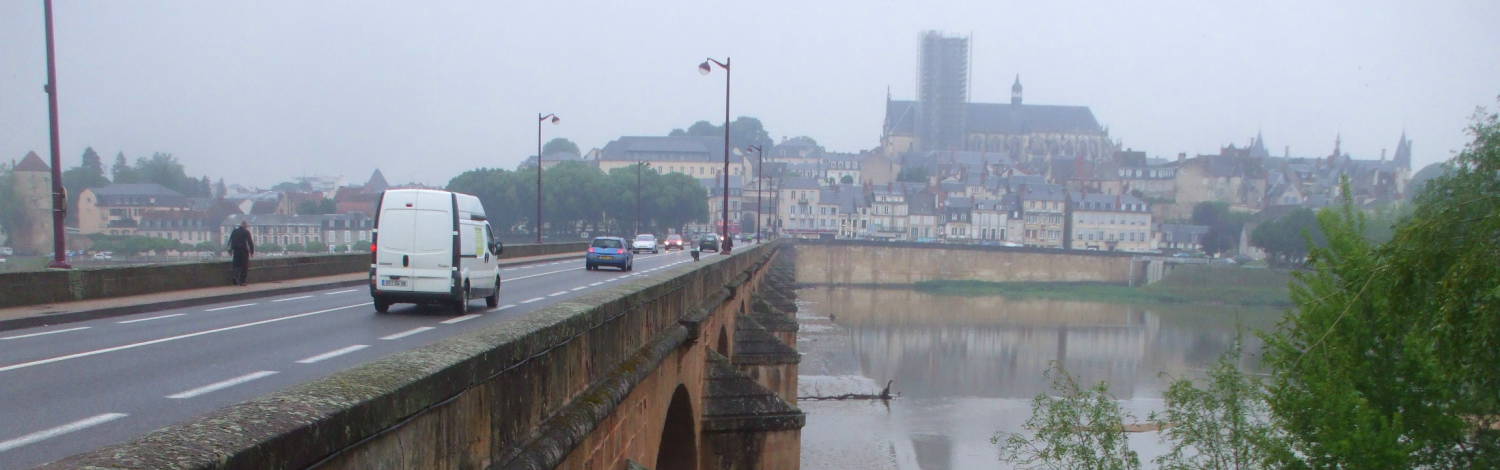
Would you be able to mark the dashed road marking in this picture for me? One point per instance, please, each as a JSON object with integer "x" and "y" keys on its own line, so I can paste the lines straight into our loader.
{"x": 293, "y": 298}
{"x": 555, "y": 294}
{"x": 453, "y": 320}
{"x": 332, "y": 354}
{"x": 123, "y": 347}
{"x": 579, "y": 288}
{"x": 60, "y": 430}
{"x": 44, "y": 333}
{"x": 216, "y": 386}
{"x": 345, "y": 291}
{"x": 503, "y": 307}
{"x": 158, "y": 317}
{"x": 530, "y": 300}
{"x": 229, "y": 307}
{"x": 406, "y": 333}
{"x": 596, "y": 284}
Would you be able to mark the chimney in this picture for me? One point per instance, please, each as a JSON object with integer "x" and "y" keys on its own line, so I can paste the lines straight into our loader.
{"x": 1181, "y": 156}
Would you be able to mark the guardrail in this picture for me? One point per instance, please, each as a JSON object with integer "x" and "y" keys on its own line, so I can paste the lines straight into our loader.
{"x": 52, "y": 286}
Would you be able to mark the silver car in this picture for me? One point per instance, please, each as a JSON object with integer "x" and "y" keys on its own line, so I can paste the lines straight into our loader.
{"x": 644, "y": 242}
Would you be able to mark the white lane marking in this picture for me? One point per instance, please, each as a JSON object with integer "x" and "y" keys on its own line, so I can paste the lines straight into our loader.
{"x": 555, "y": 294}
{"x": 170, "y": 338}
{"x": 542, "y": 274}
{"x": 596, "y": 284}
{"x": 579, "y": 288}
{"x": 530, "y": 300}
{"x": 60, "y": 430}
{"x": 216, "y": 386}
{"x": 503, "y": 307}
{"x": 332, "y": 354}
{"x": 293, "y": 298}
{"x": 453, "y": 320}
{"x": 150, "y": 318}
{"x": 229, "y": 307}
{"x": 46, "y": 333}
{"x": 345, "y": 291}
{"x": 406, "y": 333}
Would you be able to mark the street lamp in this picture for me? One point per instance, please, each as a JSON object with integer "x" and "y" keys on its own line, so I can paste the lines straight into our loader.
{"x": 639, "y": 166}
{"x": 539, "y": 120}
{"x": 760, "y": 162}
{"x": 704, "y": 68}
{"x": 59, "y": 198}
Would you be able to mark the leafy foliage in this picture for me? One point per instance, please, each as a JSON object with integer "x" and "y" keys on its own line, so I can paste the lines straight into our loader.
{"x": 89, "y": 174}
{"x": 744, "y": 131}
{"x": 578, "y": 195}
{"x": 1391, "y": 360}
{"x": 318, "y": 206}
{"x": 162, "y": 169}
{"x": 562, "y": 145}
{"x": 13, "y": 213}
{"x": 1223, "y": 226}
{"x": 1286, "y": 238}
{"x": 1225, "y": 425}
{"x": 912, "y": 175}
{"x": 1077, "y": 428}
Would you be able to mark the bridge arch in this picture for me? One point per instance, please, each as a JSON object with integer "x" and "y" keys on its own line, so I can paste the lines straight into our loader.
{"x": 679, "y": 437}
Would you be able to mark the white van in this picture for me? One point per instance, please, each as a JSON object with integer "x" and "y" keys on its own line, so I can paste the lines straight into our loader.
{"x": 433, "y": 247}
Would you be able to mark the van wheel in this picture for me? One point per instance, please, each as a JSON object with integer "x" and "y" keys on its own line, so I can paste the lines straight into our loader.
{"x": 381, "y": 305}
{"x": 463, "y": 302}
{"x": 494, "y": 299}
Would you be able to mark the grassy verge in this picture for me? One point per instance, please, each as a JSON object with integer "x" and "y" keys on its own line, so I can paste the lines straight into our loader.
{"x": 1187, "y": 284}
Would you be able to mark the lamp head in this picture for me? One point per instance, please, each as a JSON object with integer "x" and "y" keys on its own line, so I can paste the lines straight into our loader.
{"x": 704, "y": 68}
{"x": 555, "y": 119}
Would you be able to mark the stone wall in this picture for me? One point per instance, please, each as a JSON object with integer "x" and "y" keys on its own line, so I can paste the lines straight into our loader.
{"x": 51, "y": 286}
{"x": 523, "y": 394}
{"x": 850, "y": 262}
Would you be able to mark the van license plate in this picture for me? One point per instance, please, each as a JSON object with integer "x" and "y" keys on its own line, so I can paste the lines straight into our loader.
{"x": 606, "y": 257}
{"x": 393, "y": 282}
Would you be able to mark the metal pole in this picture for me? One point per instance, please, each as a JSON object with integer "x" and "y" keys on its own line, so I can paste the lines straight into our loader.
{"x": 59, "y": 198}
{"x": 638, "y": 167}
{"x": 727, "y": 72}
{"x": 760, "y": 163}
{"x": 539, "y": 119}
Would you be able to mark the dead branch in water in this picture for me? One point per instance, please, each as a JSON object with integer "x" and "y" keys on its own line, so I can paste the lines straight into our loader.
{"x": 883, "y": 396}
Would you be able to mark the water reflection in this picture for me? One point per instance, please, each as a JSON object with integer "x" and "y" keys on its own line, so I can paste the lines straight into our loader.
{"x": 966, "y": 366}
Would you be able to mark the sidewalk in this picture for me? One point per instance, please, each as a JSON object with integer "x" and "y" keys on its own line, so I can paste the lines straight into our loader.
{"x": 67, "y": 312}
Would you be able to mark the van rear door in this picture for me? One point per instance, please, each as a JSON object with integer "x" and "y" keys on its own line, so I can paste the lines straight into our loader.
{"x": 396, "y": 242}
{"x": 432, "y": 257}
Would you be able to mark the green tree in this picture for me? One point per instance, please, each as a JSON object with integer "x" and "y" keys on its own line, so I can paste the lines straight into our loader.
{"x": 744, "y": 131}
{"x": 846, "y": 179}
{"x": 269, "y": 248}
{"x": 292, "y": 186}
{"x": 208, "y": 246}
{"x": 1223, "y": 226}
{"x": 341, "y": 248}
{"x": 1072, "y": 428}
{"x": 912, "y": 175}
{"x": 295, "y": 247}
{"x": 562, "y": 145}
{"x": 316, "y": 247}
{"x": 89, "y": 174}
{"x": 1390, "y": 360}
{"x": 317, "y": 206}
{"x": 361, "y": 246}
{"x": 1223, "y": 425}
{"x": 1286, "y": 238}
{"x": 122, "y": 172}
{"x": 165, "y": 170}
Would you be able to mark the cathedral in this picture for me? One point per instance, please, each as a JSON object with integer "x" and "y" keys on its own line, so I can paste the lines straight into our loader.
{"x": 942, "y": 119}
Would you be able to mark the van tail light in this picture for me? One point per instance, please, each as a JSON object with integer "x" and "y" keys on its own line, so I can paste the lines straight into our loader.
{"x": 372, "y": 252}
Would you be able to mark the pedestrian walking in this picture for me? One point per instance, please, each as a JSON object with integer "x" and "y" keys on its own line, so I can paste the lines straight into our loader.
{"x": 241, "y": 246}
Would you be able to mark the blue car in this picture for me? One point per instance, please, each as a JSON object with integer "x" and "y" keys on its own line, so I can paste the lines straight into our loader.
{"x": 609, "y": 251}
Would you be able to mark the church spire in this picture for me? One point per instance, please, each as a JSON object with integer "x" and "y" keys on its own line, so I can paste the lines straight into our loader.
{"x": 1015, "y": 91}
{"x": 1403, "y": 151}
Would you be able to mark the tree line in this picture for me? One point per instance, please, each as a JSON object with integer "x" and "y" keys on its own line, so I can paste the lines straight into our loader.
{"x": 580, "y": 197}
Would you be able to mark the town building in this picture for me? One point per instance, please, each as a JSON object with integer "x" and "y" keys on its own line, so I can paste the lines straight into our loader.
{"x": 118, "y": 209}
{"x": 1044, "y": 212}
{"x": 33, "y": 184}
{"x": 698, "y": 157}
{"x": 1109, "y": 223}
{"x": 1180, "y": 237}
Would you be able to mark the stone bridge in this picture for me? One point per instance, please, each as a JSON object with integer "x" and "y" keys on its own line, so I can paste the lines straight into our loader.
{"x": 696, "y": 371}
{"x": 870, "y": 263}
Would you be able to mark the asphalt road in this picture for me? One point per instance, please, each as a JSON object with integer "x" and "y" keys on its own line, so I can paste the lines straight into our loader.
{"x": 71, "y": 388}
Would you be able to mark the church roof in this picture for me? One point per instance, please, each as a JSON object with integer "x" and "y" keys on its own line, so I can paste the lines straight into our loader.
{"x": 377, "y": 183}
{"x": 1003, "y": 118}
{"x": 666, "y": 148}
{"x": 32, "y": 163}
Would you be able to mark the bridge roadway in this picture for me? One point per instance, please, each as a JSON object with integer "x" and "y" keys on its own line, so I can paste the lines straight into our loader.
{"x": 74, "y": 387}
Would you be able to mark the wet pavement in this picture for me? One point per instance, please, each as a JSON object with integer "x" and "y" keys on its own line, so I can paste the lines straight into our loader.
{"x": 966, "y": 368}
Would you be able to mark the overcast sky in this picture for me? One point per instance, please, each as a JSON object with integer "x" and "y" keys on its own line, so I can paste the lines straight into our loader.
{"x": 259, "y": 92}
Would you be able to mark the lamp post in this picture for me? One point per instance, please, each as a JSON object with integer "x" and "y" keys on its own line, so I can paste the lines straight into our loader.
{"x": 59, "y": 198}
{"x": 704, "y": 68}
{"x": 539, "y": 120}
{"x": 760, "y": 161}
{"x": 639, "y": 167}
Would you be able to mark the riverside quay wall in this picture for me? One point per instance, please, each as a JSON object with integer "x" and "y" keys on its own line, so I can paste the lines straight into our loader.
{"x": 853, "y": 262}
{"x": 686, "y": 370}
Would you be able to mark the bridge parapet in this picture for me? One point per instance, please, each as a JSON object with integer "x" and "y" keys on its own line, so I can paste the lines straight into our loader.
{"x": 871, "y": 263}
{"x": 621, "y": 375}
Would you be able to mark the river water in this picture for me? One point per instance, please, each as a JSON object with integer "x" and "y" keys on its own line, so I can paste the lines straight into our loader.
{"x": 966, "y": 368}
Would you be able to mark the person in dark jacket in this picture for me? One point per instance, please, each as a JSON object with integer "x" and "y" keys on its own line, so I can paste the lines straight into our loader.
{"x": 241, "y": 246}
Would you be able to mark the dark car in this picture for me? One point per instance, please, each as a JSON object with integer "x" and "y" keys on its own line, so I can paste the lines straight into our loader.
{"x": 609, "y": 251}
{"x": 673, "y": 241}
{"x": 709, "y": 242}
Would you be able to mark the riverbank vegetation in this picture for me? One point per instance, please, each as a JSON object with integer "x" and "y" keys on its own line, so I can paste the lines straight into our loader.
{"x": 1226, "y": 285}
{"x": 1388, "y": 359}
